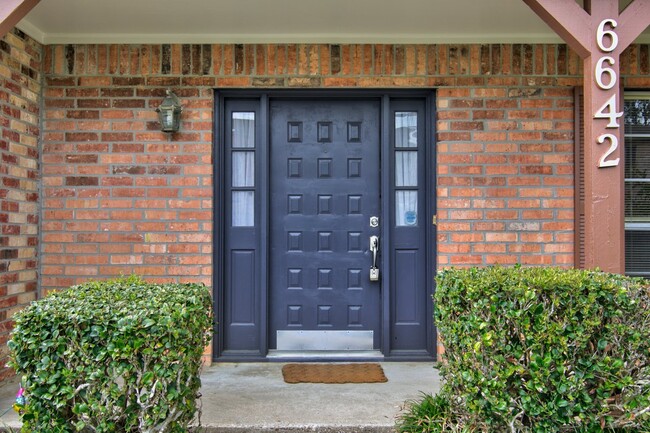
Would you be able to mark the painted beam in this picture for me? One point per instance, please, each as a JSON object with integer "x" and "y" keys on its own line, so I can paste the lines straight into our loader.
{"x": 12, "y": 11}
{"x": 567, "y": 19}
{"x": 635, "y": 16}
{"x": 599, "y": 35}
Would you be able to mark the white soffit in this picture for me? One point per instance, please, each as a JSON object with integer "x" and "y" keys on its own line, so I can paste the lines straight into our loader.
{"x": 286, "y": 21}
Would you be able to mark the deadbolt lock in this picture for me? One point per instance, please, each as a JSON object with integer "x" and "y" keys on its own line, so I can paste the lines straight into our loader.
{"x": 374, "y": 222}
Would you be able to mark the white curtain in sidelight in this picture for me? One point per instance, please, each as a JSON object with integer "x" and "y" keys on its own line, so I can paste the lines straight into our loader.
{"x": 243, "y": 130}
{"x": 406, "y": 208}
{"x": 406, "y": 129}
{"x": 406, "y": 168}
{"x": 243, "y": 169}
{"x": 243, "y": 208}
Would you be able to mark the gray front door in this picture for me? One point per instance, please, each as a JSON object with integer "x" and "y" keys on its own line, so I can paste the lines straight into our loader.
{"x": 325, "y": 183}
{"x": 299, "y": 178}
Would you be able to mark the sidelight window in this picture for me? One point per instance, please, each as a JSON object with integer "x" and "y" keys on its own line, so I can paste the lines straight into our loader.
{"x": 406, "y": 168}
{"x": 243, "y": 169}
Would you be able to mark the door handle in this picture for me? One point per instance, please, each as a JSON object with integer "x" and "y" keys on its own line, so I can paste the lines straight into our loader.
{"x": 374, "y": 248}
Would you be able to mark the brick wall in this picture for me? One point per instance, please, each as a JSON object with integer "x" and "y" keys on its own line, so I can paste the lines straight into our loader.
{"x": 505, "y": 176}
{"x": 122, "y": 197}
{"x": 20, "y": 92}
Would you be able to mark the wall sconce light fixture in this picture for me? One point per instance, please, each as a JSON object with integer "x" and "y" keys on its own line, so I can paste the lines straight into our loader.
{"x": 169, "y": 113}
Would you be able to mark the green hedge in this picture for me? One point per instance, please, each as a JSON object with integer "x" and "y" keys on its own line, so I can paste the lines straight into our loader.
{"x": 113, "y": 356}
{"x": 540, "y": 350}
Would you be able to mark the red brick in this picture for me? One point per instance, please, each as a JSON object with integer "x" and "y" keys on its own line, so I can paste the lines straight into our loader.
{"x": 81, "y": 249}
{"x": 501, "y": 103}
{"x": 500, "y": 237}
{"x": 536, "y": 192}
{"x": 523, "y": 114}
{"x": 525, "y": 248}
{"x": 524, "y": 203}
{"x": 91, "y": 260}
{"x": 120, "y": 136}
{"x": 501, "y": 260}
{"x": 488, "y": 204}
{"x": 536, "y": 169}
{"x": 489, "y": 136}
{"x": 467, "y": 237}
{"x": 558, "y": 248}
{"x": 489, "y": 159}
{"x": 501, "y": 169}
{"x": 129, "y": 192}
{"x": 524, "y": 181}
{"x": 91, "y": 214}
{"x": 483, "y": 248}
{"x": 465, "y": 214}
{"x": 558, "y": 203}
{"x": 466, "y": 260}
{"x": 105, "y": 248}
{"x": 466, "y": 103}
{"x": 183, "y": 248}
{"x": 151, "y": 181}
{"x": 501, "y": 215}
{"x": 91, "y": 237}
{"x": 467, "y": 169}
{"x": 536, "y": 237}
{"x": 467, "y": 192}
{"x": 487, "y": 114}
{"x": 454, "y": 248}
{"x": 536, "y": 259}
{"x": 81, "y": 136}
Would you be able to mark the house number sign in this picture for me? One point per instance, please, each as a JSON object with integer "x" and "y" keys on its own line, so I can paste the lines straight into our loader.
{"x": 606, "y": 80}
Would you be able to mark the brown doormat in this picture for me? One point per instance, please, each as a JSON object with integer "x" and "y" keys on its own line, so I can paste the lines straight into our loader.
{"x": 333, "y": 373}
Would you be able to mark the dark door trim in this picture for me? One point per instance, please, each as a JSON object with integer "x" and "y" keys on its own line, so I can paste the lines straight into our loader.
{"x": 219, "y": 229}
{"x": 432, "y": 215}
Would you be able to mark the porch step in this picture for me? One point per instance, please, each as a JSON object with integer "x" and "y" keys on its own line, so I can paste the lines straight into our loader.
{"x": 299, "y": 429}
{"x": 253, "y": 398}
{"x": 14, "y": 426}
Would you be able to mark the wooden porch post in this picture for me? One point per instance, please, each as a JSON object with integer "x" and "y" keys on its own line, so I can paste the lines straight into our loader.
{"x": 599, "y": 34}
{"x": 12, "y": 11}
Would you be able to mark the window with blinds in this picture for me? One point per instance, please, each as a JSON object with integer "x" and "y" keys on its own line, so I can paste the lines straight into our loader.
{"x": 637, "y": 184}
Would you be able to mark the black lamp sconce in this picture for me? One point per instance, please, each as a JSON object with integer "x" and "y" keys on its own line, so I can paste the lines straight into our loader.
{"x": 169, "y": 113}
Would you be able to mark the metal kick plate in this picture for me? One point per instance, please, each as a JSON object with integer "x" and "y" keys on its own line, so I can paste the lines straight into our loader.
{"x": 325, "y": 340}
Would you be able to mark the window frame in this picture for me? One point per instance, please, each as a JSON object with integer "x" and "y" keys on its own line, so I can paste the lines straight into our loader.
{"x": 634, "y": 226}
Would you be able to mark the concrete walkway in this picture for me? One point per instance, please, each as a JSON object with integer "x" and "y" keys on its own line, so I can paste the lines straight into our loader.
{"x": 253, "y": 398}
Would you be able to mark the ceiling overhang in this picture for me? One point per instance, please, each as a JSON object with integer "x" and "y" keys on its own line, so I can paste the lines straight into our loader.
{"x": 287, "y": 21}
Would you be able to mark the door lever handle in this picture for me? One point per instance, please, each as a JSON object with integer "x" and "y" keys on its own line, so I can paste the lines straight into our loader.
{"x": 374, "y": 248}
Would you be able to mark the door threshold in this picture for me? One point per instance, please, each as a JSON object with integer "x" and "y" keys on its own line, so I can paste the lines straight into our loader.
{"x": 277, "y": 355}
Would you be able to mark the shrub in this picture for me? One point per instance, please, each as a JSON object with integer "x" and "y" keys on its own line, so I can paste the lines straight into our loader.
{"x": 113, "y": 356}
{"x": 432, "y": 413}
{"x": 543, "y": 350}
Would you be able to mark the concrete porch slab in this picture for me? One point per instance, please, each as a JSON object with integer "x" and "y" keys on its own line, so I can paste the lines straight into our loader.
{"x": 253, "y": 398}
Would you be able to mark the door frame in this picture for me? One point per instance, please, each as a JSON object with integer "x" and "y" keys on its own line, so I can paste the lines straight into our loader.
{"x": 264, "y": 96}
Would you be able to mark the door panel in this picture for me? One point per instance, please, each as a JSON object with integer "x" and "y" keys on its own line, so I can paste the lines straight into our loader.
{"x": 410, "y": 296}
{"x": 241, "y": 319}
{"x": 324, "y": 160}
